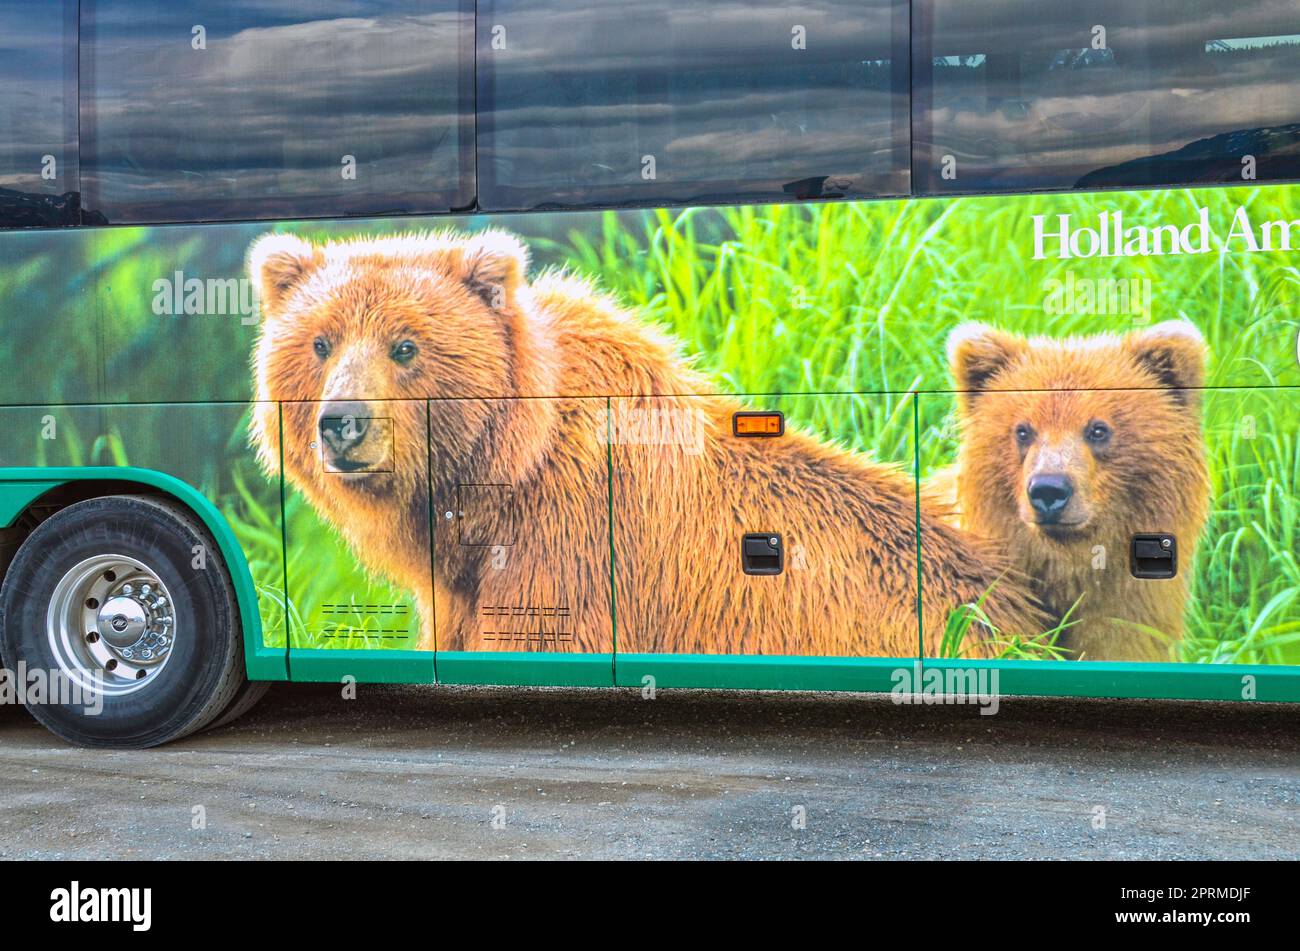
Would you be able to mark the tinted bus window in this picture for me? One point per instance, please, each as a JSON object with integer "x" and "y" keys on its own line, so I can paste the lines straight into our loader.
{"x": 587, "y": 102}
{"x": 1014, "y": 95}
{"x": 270, "y": 108}
{"x": 38, "y": 113}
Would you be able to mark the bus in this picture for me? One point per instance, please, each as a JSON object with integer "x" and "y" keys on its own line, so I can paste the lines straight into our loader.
{"x": 939, "y": 348}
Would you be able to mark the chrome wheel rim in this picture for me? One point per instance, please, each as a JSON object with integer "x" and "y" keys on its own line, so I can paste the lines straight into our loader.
{"x": 110, "y": 624}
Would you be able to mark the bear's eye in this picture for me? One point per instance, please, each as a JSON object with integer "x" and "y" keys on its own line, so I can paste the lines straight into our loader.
{"x": 404, "y": 352}
{"x": 1024, "y": 434}
{"x": 321, "y": 346}
{"x": 1097, "y": 433}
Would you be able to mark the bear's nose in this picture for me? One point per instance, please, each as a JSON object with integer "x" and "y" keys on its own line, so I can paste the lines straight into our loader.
{"x": 343, "y": 425}
{"x": 1049, "y": 495}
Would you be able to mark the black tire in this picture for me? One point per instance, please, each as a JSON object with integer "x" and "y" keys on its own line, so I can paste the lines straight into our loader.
{"x": 203, "y": 676}
{"x": 244, "y": 700}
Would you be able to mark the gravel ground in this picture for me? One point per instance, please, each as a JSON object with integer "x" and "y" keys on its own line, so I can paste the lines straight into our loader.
{"x": 424, "y": 772}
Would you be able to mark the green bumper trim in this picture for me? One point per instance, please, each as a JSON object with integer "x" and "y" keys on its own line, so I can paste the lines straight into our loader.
{"x": 521, "y": 668}
{"x": 317, "y": 665}
{"x": 1081, "y": 678}
{"x": 453, "y": 667}
{"x": 20, "y": 487}
{"x": 1015, "y": 677}
{"x": 726, "y": 671}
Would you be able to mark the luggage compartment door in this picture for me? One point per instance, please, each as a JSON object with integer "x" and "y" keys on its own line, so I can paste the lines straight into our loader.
{"x": 761, "y": 538}
{"x": 521, "y": 541}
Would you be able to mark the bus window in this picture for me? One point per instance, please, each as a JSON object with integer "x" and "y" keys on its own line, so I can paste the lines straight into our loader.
{"x": 222, "y": 110}
{"x": 666, "y": 101}
{"x": 38, "y": 114}
{"x": 1013, "y": 95}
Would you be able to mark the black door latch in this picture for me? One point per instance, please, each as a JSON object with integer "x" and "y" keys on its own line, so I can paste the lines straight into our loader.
{"x": 1154, "y": 556}
{"x": 761, "y": 553}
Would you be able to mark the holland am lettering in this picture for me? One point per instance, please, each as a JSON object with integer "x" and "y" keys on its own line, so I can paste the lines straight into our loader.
{"x": 1109, "y": 235}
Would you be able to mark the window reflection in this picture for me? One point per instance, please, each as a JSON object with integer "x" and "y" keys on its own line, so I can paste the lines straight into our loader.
{"x": 38, "y": 114}
{"x": 592, "y": 102}
{"x": 1013, "y": 95}
{"x": 251, "y": 108}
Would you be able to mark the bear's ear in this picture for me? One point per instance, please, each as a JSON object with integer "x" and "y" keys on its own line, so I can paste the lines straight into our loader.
{"x": 280, "y": 262}
{"x": 1173, "y": 352}
{"x": 977, "y": 353}
{"x": 493, "y": 266}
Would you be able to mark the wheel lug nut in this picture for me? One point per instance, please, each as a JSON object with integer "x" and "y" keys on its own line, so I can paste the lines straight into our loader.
{"x": 127, "y": 588}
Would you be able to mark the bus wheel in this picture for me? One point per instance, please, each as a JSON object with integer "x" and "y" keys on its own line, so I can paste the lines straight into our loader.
{"x": 123, "y": 609}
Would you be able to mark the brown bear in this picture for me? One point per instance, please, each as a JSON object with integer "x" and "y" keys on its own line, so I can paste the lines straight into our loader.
{"x": 566, "y": 494}
{"x": 1071, "y": 447}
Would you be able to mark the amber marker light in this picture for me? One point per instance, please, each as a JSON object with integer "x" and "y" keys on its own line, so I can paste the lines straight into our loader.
{"x": 758, "y": 424}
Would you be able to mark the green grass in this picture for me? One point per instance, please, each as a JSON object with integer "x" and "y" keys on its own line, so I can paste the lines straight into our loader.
{"x": 841, "y": 310}
{"x": 1246, "y": 602}
{"x": 1011, "y": 646}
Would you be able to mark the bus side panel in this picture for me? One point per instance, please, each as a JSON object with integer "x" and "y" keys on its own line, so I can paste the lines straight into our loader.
{"x": 53, "y": 435}
{"x": 357, "y": 540}
{"x": 521, "y": 536}
{"x": 843, "y": 297}
{"x": 50, "y": 346}
{"x": 1159, "y": 527}
{"x": 1245, "y": 606}
{"x": 774, "y": 545}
